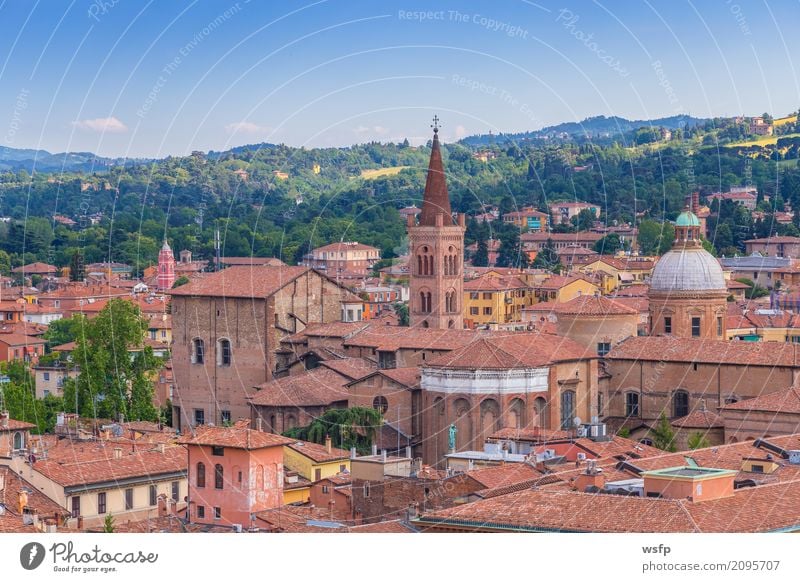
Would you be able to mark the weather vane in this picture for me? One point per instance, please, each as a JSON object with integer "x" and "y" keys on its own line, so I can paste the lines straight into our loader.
{"x": 435, "y": 125}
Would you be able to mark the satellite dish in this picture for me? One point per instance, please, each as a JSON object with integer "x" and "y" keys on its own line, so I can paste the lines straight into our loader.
{"x": 577, "y": 421}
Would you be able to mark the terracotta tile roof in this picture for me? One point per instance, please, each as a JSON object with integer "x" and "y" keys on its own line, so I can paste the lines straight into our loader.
{"x": 493, "y": 283}
{"x": 353, "y": 368}
{"x": 576, "y": 251}
{"x": 337, "y": 329}
{"x": 560, "y": 281}
{"x": 392, "y": 338}
{"x": 673, "y": 349}
{"x": 785, "y": 401}
{"x": 513, "y": 350}
{"x": 16, "y": 425}
{"x": 519, "y": 486}
{"x": 166, "y": 524}
{"x": 247, "y": 261}
{"x": 344, "y": 246}
{"x": 638, "y": 304}
{"x": 256, "y": 281}
{"x": 504, "y": 475}
{"x": 560, "y": 236}
{"x": 36, "y": 268}
{"x": 298, "y": 519}
{"x": 775, "y": 240}
{"x": 638, "y": 290}
{"x": 533, "y": 434}
{"x": 318, "y": 453}
{"x": 239, "y": 436}
{"x": 37, "y": 500}
{"x": 95, "y": 463}
{"x": 318, "y": 387}
{"x": 408, "y": 377}
{"x": 394, "y": 526}
{"x": 18, "y": 339}
{"x": 593, "y": 305}
{"x": 699, "y": 418}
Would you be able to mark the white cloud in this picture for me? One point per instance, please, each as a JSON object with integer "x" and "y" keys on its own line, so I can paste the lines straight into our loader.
{"x": 374, "y": 130}
{"x": 461, "y": 131}
{"x": 246, "y": 127}
{"x": 101, "y": 125}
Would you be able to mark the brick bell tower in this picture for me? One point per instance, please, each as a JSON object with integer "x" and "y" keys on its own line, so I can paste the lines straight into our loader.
{"x": 436, "y": 253}
{"x": 166, "y": 268}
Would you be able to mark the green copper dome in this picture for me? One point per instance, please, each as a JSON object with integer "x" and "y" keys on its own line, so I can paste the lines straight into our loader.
{"x": 687, "y": 218}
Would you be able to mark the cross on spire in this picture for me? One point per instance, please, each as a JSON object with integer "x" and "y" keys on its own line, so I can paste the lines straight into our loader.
{"x": 435, "y": 124}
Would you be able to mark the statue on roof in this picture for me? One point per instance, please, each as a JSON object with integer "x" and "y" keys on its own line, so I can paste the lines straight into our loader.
{"x": 451, "y": 437}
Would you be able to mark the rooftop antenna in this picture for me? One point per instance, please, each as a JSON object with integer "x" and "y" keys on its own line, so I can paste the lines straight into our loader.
{"x": 216, "y": 249}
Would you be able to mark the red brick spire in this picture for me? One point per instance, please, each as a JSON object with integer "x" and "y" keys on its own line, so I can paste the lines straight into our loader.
{"x": 436, "y": 199}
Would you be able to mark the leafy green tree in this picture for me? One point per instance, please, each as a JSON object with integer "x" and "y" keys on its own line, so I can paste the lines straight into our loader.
{"x": 584, "y": 220}
{"x": 663, "y": 436}
{"x": 697, "y": 440}
{"x": 401, "y": 309}
{"x": 547, "y": 257}
{"x": 116, "y": 368}
{"x": 108, "y": 524}
{"x": 755, "y": 290}
{"x": 608, "y": 245}
{"x": 481, "y": 256}
{"x": 655, "y": 238}
{"x": 5, "y": 263}
{"x": 62, "y": 331}
{"x": 182, "y": 280}
{"x": 347, "y": 427}
{"x": 511, "y": 253}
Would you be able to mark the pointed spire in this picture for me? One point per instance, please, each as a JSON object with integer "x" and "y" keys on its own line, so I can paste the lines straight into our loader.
{"x": 436, "y": 199}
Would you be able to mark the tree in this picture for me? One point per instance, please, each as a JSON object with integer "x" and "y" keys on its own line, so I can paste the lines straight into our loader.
{"x": 182, "y": 280}
{"x": 608, "y": 245}
{"x": 401, "y": 309}
{"x": 547, "y": 258}
{"x": 77, "y": 267}
{"x": 697, "y": 440}
{"x": 663, "y": 435}
{"x": 108, "y": 524}
{"x": 347, "y": 427}
{"x": 584, "y": 220}
{"x": 755, "y": 290}
{"x": 655, "y": 238}
{"x": 116, "y": 368}
{"x": 62, "y": 331}
{"x": 510, "y": 253}
{"x": 481, "y": 256}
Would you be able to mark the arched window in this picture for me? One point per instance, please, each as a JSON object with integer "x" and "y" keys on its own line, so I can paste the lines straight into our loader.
{"x": 380, "y": 403}
{"x": 540, "y": 409}
{"x": 419, "y": 264}
{"x": 425, "y": 301}
{"x": 680, "y": 403}
{"x": 291, "y": 421}
{"x": 224, "y": 355}
{"x": 198, "y": 351}
{"x": 18, "y": 441}
{"x": 567, "y": 408}
{"x": 201, "y": 475}
{"x": 632, "y": 404}
{"x": 218, "y": 474}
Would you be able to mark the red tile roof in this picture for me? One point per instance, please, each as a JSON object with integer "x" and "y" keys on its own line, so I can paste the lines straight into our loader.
{"x": 239, "y": 436}
{"x": 353, "y": 368}
{"x": 17, "y": 339}
{"x": 489, "y": 282}
{"x": 673, "y": 349}
{"x": 593, "y": 305}
{"x": 36, "y": 268}
{"x": 699, "y": 418}
{"x": 256, "y": 281}
{"x": 318, "y": 453}
{"x": 785, "y": 401}
{"x": 514, "y": 350}
{"x": 16, "y": 425}
{"x": 344, "y": 246}
{"x": 318, "y": 387}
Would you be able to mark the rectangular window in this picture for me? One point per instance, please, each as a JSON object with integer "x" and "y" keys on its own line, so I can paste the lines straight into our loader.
{"x": 199, "y": 416}
{"x": 603, "y": 348}
{"x": 487, "y": 310}
{"x": 342, "y": 468}
{"x": 487, "y": 295}
{"x": 695, "y": 327}
{"x": 201, "y": 511}
{"x": 76, "y": 506}
{"x": 757, "y": 468}
{"x": 153, "y": 495}
{"x": 317, "y": 474}
{"x": 667, "y": 325}
{"x": 176, "y": 490}
{"x": 217, "y": 513}
{"x": 218, "y": 451}
{"x": 719, "y": 326}
{"x": 101, "y": 503}
{"x": 366, "y": 489}
{"x": 128, "y": 499}
{"x": 474, "y": 311}
{"x": 325, "y": 489}
{"x": 47, "y": 376}
{"x": 474, "y": 295}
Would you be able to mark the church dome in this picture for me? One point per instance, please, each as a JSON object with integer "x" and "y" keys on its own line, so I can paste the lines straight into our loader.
{"x": 687, "y": 269}
{"x": 687, "y": 219}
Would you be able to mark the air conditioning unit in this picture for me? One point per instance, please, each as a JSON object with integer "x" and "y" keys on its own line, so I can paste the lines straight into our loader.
{"x": 794, "y": 457}
{"x": 581, "y": 456}
{"x": 237, "y": 527}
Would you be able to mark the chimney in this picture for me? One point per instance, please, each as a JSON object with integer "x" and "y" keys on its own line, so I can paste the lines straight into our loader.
{"x": 408, "y": 452}
{"x": 328, "y": 446}
{"x": 162, "y": 506}
{"x": 259, "y": 423}
{"x": 374, "y": 450}
{"x": 352, "y": 452}
{"x": 4, "y": 419}
{"x": 591, "y": 477}
{"x": 383, "y": 455}
{"x": 117, "y": 452}
{"x": 160, "y": 447}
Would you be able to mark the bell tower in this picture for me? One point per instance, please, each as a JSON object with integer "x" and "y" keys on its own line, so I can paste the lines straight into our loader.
{"x": 436, "y": 252}
{"x": 166, "y": 268}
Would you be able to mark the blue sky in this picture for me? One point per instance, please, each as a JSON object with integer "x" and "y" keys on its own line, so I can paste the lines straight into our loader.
{"x": 125, "y": 78}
